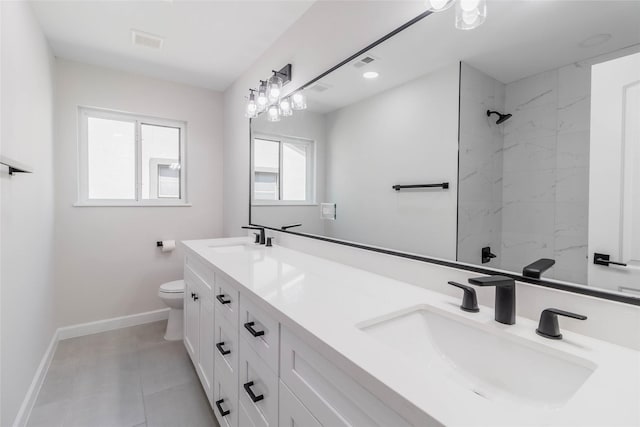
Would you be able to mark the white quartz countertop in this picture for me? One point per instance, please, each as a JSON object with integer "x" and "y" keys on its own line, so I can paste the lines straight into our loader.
{"x": 325, "y": 303}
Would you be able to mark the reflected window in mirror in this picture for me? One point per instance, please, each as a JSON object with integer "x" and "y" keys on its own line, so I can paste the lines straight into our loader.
{"x": 283, "y": 170}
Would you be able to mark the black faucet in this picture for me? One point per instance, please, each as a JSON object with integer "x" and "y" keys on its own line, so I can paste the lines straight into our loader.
{"x": 505, "y": 296}
{"x": 535, "y": 269}
{"x": 262, "y": 240}
{"x": 286, "y": 227}
{"x": 548, "y": 326}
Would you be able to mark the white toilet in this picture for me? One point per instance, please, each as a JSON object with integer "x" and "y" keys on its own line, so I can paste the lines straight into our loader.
{"x": 172, "y": 293}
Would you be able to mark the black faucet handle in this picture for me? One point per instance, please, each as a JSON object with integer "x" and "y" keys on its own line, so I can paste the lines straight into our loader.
{"x": 549, "y": 327}
{"x": 257, "y": 240}
{"x": 492, "y": 281}
{"x": 469, "y": 299}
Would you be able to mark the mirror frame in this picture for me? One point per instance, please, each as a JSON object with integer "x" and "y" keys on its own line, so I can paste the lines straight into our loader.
{"x": 563, "y": 286}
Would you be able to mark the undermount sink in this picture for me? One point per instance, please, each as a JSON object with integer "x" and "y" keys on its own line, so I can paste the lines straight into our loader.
{"x": 490, "y": 363}
{"x": 230, "y": 249}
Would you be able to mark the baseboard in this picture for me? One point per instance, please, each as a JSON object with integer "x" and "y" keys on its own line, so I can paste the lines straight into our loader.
{"x": 78, "y": 331}
{"x": 112, "y": 324}
{"x": 32, "y": 393}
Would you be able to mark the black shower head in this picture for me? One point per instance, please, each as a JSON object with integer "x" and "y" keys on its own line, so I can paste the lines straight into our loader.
{"x": 501, "y": 117}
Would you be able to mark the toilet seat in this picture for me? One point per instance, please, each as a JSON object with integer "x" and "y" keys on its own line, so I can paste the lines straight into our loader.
{"x": 175, "y": 287}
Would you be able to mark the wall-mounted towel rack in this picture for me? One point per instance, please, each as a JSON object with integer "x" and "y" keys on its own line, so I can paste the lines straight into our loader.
{"x": 14, "y": 167}
{"x": 443, "y": 185}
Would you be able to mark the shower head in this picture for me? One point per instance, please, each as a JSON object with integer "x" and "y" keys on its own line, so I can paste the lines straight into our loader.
{"x": 501, "y": 117}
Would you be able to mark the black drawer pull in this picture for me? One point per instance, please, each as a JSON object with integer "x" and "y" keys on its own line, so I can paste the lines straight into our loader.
{"x": 254, "y": 398}
{"x": 222, "y": 350}
{"x": 249, "y": 327}
{"x": 223, "y": 413}
{"x": 222, "y": 300}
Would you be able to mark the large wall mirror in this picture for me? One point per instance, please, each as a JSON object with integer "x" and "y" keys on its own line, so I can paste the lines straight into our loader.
{"x": 497, "y": 147}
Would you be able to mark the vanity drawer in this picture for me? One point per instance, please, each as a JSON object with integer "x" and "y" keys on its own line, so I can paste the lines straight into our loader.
{"x": 227, "y": 299}
{"x": 261, "y": 332}
{"x": 331, "y": 396}
{"x": 226, "y": 341}
{"x": 225, "y": 402}
{"x": 205, "y": 272}
{"x": 258, "y": 388}
{"x": 292, "y": 412}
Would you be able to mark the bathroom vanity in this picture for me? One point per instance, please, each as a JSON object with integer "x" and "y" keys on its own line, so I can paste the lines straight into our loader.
{"x": 281, "y": 337}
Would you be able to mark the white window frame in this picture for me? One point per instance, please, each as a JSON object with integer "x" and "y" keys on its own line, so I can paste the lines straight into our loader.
{"x": 84, "y": 113}
{"x": 311, "y": 170}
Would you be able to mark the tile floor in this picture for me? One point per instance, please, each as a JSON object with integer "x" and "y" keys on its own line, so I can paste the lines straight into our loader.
{"x": 124, "y": 378}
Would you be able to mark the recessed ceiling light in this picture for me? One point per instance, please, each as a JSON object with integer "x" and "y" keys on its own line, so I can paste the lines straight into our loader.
{"x": 370, "y": 75}
{"x": 595, "y": 40}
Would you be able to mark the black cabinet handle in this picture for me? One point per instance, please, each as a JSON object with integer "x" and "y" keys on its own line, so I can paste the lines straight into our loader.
{"x": 195, "y": 297}
{"x": 249, "y": 327}
{"x": 222, "y": 350}
{"x": 222, "y": 300}
{"x": 254, "y": 398}
{"x": 223, "y": 413}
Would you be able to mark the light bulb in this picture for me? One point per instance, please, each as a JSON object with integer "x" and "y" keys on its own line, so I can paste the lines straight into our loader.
{"x": 467, "y": 17}
{"x": 251, "y": 110}
{"x": 285, "y": 107}
{"x": 273, "y": 113}
{"x": 439, "y": 5}
{"x": 262, "y": 99}
{"x": 298, "y": 101}
{"x": 469, "y": 5}
{"x": 274, "y": 89}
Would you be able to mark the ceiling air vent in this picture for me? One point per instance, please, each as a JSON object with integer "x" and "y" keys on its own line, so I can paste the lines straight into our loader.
{"x": 147, "y": 40}
{"x": 320, "y": 87}
{"x": 363, "y": 61}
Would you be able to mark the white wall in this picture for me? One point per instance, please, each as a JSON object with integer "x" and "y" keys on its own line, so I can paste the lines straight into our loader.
{"x": 373, "y": 146}
{"x": 27, "y": 224}
{"x": 307, "y": 125}
{"x": 320, "y": 39}
{"x": 107, "y": 263}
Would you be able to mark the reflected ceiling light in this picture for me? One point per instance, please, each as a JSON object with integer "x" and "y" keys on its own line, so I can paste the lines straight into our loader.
{"x": 285, "y": 107}
{"x": 370, "y": 75}
{"x": 251, "y": 110}
{"x": 470, "y": 14}
{"x": 273, "y": 113}
{"x": 299, "y": 101}
{"x": 439, "y": 5}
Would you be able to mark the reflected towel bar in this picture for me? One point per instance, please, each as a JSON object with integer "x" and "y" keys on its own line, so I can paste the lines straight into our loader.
{"x": 443, "y": 185}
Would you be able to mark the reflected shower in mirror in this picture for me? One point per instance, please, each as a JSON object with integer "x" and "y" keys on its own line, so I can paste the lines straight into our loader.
{"x": 510, "y": 147}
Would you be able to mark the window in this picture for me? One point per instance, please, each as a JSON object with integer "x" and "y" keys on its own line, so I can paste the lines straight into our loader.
{"x": 129, "y": 160}
{"x": 283, "y": 171}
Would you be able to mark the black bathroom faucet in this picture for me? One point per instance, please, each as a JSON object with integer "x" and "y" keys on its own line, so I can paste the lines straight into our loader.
{"x": 505, "y": 304}
{"x": 262, "y": 240}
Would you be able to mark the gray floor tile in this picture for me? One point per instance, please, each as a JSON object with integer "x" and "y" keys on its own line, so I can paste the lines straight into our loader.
{"x": 185, "y": 405}
{"x": 50, "y": 414}
{"x": 165, "y": 365}
{"x": 116, "y": 407}
{"x": 149, "y": 334}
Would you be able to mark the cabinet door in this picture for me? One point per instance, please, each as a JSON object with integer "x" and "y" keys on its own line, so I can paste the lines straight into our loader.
{"x": 206, "y": 345}
{"x": 293, "y": 412}
{"x": 191, "y": 315}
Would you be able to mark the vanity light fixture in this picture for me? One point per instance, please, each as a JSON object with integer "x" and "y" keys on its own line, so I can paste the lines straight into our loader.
{"x": 252, "y": 106}
{"x": 273, "y": 113}
{"x": 470, "y": 14}
{"x": 370, "y": 75}
{"x": 262, "y": 100}
{"x": 299, "y": 101}
{"x": 285, "y": 107}
{"x": 274, "y": 89}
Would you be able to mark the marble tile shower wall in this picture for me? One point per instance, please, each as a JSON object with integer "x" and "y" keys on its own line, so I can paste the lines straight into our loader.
{"x": 480, "y": 166}
{"x": 545, "y": 171}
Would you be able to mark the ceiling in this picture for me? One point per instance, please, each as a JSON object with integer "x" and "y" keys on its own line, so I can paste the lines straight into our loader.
{"x": 206, "y": 43}
{"x": 518, "y": 39}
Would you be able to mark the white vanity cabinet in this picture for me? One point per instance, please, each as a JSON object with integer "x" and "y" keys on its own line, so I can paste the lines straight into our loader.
{"x": 256, "y": 372}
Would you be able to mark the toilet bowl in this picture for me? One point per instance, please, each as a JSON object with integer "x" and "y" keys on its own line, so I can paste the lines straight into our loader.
{"x": 172, "y": 293}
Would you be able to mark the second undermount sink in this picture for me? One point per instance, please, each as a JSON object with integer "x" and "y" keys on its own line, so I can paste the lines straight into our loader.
{"x": 490, "y": 363}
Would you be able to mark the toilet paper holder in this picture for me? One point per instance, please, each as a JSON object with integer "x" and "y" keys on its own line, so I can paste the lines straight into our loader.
{"x": 159, "y": 244}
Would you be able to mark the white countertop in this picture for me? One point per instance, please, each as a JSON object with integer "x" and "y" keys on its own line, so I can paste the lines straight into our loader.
{"x": 323, "y": 302}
